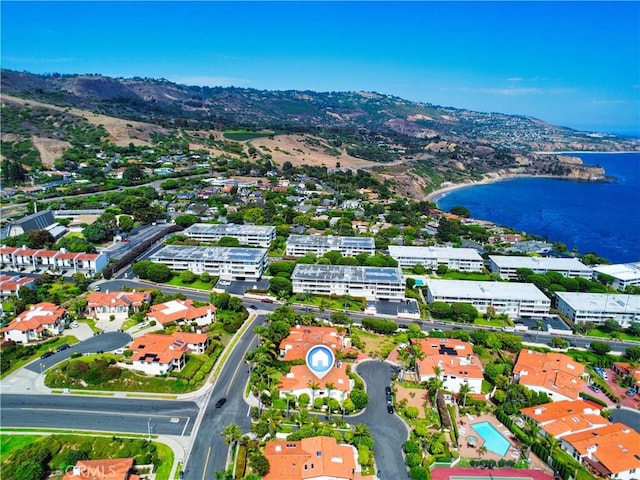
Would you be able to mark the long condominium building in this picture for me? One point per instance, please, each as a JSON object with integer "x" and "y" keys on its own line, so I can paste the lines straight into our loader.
{"x": 300, "y": 245}
{"x": 507, "y": 266}
{"x": 228, "y": 263}
{"x": 624, "y": 274}
{"x": 372, "y": 283}
{"x": 598, "y": 307}
{"x": 462, "y": 259}
{"x": 514, "y": 299}
{"x": 253, "y": 235}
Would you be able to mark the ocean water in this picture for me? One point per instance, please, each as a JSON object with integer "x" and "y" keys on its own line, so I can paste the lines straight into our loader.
{"x": 594, "y": 217}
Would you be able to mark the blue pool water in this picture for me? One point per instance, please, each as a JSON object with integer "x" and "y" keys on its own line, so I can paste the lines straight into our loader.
{"x": 493, "y": 439}
{"x": 419, "y": 282}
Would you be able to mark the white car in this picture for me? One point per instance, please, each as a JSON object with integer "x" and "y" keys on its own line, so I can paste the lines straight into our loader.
{"x": 74, "y": 325}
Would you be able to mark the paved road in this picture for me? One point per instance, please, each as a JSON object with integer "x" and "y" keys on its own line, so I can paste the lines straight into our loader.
{"x": 104, "y": 342}
{"x": 388, "y": 431}
{"x": 98, "y": 413}
{"x": 208, "y": 453}
{"x": 627, "y": 416}
{"x": 534, "y": 337}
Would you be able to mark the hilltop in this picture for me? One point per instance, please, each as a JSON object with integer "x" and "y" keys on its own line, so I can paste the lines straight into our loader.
{"x": 416, "y": 146}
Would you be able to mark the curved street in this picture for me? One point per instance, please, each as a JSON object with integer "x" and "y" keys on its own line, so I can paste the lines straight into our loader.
{"x": 388, "y": 431}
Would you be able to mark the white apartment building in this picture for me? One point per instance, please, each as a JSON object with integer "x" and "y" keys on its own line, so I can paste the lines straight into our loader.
{"x": 462, "y": 259}
{"x": 514, "y": 299}
{"x": 300, "y": 245}
{"x": 598, "y": 307}
{"x": 252, "y": 235}
{"x": 624, "y": 274}
{"x": 28, "y": 259}
{"x": 228, "y": 263}
{"x": 507, "y": 266}
{"x": 372, "y": 283}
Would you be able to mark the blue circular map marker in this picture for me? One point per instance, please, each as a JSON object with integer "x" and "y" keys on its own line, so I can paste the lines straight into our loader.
{"x": 320, "y": 360}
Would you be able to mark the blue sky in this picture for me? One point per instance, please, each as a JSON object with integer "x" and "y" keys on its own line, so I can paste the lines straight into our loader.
{"x": 574, "y": 64}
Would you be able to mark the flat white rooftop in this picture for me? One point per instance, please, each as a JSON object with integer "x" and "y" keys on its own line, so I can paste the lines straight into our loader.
{"x": 601, "y": 302}
{"x": 221, "y": 254}
{"x": 544, "y": 263}
{"x": 228, "y": 229}
{"x": 622, "y": 271}
{"x": 434, "y": 252}
{"x": 345, "y": 273}
{"x": 485, "y": 290}
{"x": 331, "y": 241}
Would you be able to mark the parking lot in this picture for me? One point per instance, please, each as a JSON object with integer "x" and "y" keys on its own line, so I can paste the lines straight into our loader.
{"x": 620, "y": 392}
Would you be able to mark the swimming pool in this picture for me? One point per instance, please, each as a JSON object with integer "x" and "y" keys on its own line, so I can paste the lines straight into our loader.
{"x": 493, "y": 440}
{"x": 419, "y": 282}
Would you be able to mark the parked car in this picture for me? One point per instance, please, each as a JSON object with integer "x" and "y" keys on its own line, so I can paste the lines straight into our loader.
{"x": 594, "y": 388}
{"x": 63, "y": 347}
{"x": 631, "y": 392}
{"x": 46, "y": 354}
{"x": 75, "y": 324}
{"x": 387, "y": 390}
{"x": 390, "y": 408}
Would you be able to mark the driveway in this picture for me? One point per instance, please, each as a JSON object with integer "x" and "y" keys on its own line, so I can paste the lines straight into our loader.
{"x": 388, "y": 431}
{"x": 104, "y": 342}
{"x": 81, "y": 332}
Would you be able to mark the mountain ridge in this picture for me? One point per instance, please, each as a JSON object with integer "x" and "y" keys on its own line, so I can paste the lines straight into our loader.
{"x": 417, "y": 145}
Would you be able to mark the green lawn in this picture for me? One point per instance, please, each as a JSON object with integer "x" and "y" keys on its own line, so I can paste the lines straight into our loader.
{"x": 618, "y": 335}
{"x": 9, "y": 443}
{"x": 465, "y": 276}
{"x": 198, "y": 284}
{"x": 328, "y": 303}
{"x": 243, "y": 135}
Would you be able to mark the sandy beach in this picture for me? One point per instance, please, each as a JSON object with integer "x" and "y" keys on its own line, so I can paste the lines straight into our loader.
{"x": 487, "y": 179}
{"x": 450, "y": 187}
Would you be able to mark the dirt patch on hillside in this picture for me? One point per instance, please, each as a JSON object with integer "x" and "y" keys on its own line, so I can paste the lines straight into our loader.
{"x": 121, "y": 132}
{"x": 50, "y": 149}
{"x": 307, "y": 150}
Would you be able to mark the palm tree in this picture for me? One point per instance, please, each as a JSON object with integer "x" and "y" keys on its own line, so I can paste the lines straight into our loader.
{"x": 273, "y": 417}
{"x": 360, "y": 431}
{"x": 231, "y": 433}
{"x": 329, "y": 386}
{"x": 552, "y": 443}
{"x": 314, "y": 386}
{"x": 465, "y": 389}
{"x": 302, "y": 417}
{"x": 482, "y": 450}
{"x": 538, "y": 327}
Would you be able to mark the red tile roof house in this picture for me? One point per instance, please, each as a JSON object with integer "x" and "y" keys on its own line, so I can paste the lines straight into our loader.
{"x": 108, "y": 469}
{"x": 300, "y": 379}
{"x": 46, "y": 259}
{"x": 612, "y": 451}
{"x": 555, "y": 374}
{"x": 301, "y": 338}
{"x": 181, "y": 312}
{"x": 119, "y": 304}
{"x": 453, "y": 359}
{"x": 40, "y": 320}
{"x": 157, "y": 354}
{"x": 312, "y": 458}
{"x": 10, "y": 285}
{"x": 565, "y": 417}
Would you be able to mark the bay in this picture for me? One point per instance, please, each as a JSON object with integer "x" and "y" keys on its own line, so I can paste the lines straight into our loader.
{"x": 603, "y": 218}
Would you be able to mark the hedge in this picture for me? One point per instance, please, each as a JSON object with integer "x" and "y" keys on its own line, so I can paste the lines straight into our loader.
{"x": 241, "y": 461}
